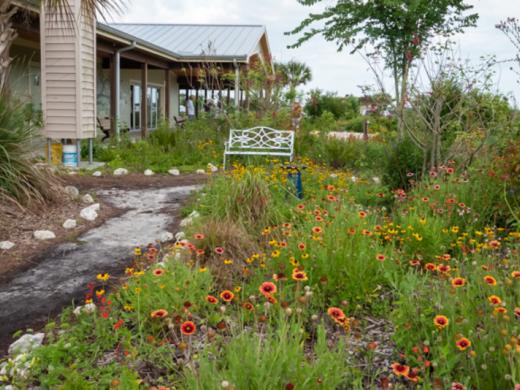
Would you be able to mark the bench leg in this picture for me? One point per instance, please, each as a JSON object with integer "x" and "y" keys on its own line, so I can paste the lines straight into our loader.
{"x": 224, "y": 161}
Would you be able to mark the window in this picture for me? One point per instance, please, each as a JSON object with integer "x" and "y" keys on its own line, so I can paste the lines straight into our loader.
{"x": 153, "y": 105}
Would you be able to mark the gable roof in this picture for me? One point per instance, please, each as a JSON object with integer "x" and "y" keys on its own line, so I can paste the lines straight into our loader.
{"x": 196, "y": 41}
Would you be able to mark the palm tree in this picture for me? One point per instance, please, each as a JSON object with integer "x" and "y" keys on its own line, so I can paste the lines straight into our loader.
{"x": 295, "y": 74}
{"x": 8, "y": 33}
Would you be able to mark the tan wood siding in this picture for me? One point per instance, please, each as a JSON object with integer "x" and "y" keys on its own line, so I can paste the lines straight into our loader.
{"x": 68, "y": 74}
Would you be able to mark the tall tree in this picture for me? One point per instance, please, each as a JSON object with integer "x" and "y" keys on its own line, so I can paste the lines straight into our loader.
{"x": 8, "y": 33}
{"x": 397, "y": 29}
{"x": 511, "y": 28}
{"x": 294, "y": 74}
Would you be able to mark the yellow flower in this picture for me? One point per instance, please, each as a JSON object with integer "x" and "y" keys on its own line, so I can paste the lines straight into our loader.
{"x": 237, "y": 289}
{"x": 228, "y": 261}
{"x": 417, "y": 236}
{"x": 305, "y": 256}
{"x": 203, "y": 269}
{"x": 128, "y": 307}
{"x": 103, "y": 277}
{"x": 138, "y": 290}
{"x": 454, "y": 229}
{"x": 275, "y": 253}
{"x": 137, "y": 251}
{"x": 422, "y": 221}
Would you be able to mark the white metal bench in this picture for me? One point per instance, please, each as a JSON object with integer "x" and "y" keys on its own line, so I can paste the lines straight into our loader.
{"x": 260, "y": 141}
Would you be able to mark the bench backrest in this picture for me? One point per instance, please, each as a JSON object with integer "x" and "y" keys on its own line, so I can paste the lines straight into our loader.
{"x": 261, "y": 138}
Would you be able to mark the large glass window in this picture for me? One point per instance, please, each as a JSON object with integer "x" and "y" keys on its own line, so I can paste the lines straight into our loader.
{"x": 153, "y": 105}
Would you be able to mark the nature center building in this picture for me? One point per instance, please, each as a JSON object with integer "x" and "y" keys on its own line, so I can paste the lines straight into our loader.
{"x": 73, "y": 69}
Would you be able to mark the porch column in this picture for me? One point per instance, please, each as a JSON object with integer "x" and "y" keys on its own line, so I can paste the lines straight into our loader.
{"x": 237, "y": 86}
{"x": 167, "y": 89}
{"x": 197, "y": 102}
{"x": 144, "y": 100}
{"x": 113, "y": 94}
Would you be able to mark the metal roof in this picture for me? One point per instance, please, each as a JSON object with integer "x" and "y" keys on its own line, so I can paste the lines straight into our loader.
{"x": 196, "y": 41}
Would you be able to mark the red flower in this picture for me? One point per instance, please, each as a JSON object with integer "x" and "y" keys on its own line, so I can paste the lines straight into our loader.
{"x": 161, "y": 313}
{"x": 463, "y": 344}
{"x": 219, "y": 250}
{"x": 198, "y": 236}
{"x": 336, "y": 314}
{"x": 188, "y": 328}
{"x": 400, "y": 369}
{"x": 380, "y": 257}
{"x": 248, "y": 306}
{"x": 118, "y": 324}
{"x": 211, "y": 299}
{"x": 227, "y": 296}
{"x": 158, "y": 272}
{"x": 267, "y": 288}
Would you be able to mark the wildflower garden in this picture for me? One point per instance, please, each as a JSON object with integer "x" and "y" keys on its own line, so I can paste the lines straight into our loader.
{"x": 353, "y": 286}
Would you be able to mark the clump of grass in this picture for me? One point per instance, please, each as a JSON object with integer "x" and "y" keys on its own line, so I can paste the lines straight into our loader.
{"x": 21, "y": 182}
{"x": 247, "y": 200}
{"x": 237, "y": 244}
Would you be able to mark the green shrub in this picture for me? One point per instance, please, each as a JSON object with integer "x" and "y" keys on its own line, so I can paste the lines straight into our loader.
{"x": 403, "y": 164}
{"x": 20, "y": 180}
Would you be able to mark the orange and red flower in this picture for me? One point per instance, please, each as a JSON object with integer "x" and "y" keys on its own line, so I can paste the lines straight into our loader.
{"x": 400, "y": 369}
{"x": 494, "y": 300}
{"x": 440, "y": 321}
{"x": 227, "y": 296}
{"x": 463, "y": 343}
{"x": 336, "y": 314}
{"x": 211, "y": 299}
{"x": 380, "y": 257}
{"x": 490, "y": 280}
{"x": 299, "y": 276}
{"x": 267, "y": 288}
{"x": 188, "y": 328}
{"x": 458, "y": 282}
{"x": 248, "y": 306}
{"x": 158, "y": 272}
{"x": 160, "y": 313}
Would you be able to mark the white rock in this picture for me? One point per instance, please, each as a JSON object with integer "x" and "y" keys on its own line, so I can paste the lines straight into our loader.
{"x": 212, "y": 167}
{"x": 174, "y": 172}
{"x": 353, "y": 179}
{"x": 72, "y": 191}
{"x": 87, "y": 198}
{"x": 376, "y": 180}
{"x": 148, "y": 172}
{"x": 90, "y": 213}
{"x": 6, "y": 245}
{"x": 180, "y": 236}
{"x": 97, "y": 174}
{"x": 88, "y": 308}
{"x": 166, "y": 236}
{"x": 69, "y": 224}
{"x": 44, "y": 235}
{"x": 194, "y": 214}
{"x": 121, "y": 172}
{"x": 26, "y": 343}
{"x": 200, "y": 172}
{"x": 186, "y": 222}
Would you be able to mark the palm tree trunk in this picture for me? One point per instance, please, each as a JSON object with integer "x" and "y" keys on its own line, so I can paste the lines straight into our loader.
{"x": 7, "y": 36}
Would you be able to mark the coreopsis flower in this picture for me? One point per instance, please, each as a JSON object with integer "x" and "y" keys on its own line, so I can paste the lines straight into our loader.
{"x": 158, "y": 272}
{"x": 490, "y": 280}
{"x": 463, "y": 343}
{"x": 160, "y": 313}
{"x": 440, "y": 321}
{"x": 400, "y": 369}
{"x": 227, "y": 296}
{"x": 458, "y": 282}
{"x": 103, "y": 277}
{"x": 494, "y": 300}
{"x": 188, "y": 328}
{"x": 267, "y": 288}
{"x": 299, "y": 276}
{"x": 211, "y": 299}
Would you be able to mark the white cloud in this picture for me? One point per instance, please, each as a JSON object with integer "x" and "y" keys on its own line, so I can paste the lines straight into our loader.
{"x": 332, "y": 70}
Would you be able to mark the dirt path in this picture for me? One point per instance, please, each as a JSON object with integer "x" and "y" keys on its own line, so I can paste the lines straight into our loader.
{"x": 148, "y": 208}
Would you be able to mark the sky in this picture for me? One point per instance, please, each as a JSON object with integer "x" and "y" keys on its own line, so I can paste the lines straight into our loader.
{"x": 332, "y": 71}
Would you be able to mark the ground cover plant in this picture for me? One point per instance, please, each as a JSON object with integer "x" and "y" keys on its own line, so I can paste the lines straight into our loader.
{"x": 354, "y": 286}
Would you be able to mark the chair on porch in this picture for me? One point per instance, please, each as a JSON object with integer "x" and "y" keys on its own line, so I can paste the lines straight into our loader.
{"x": 179, "y": 121}
{"x": 104, "y": 125}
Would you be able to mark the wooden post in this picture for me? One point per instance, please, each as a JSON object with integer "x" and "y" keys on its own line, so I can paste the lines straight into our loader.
{"x": 197, "y": 102}
{"x": 144, "y": 99}
{"x": 167, "y": 89}
{"x": 113, "y": 99}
